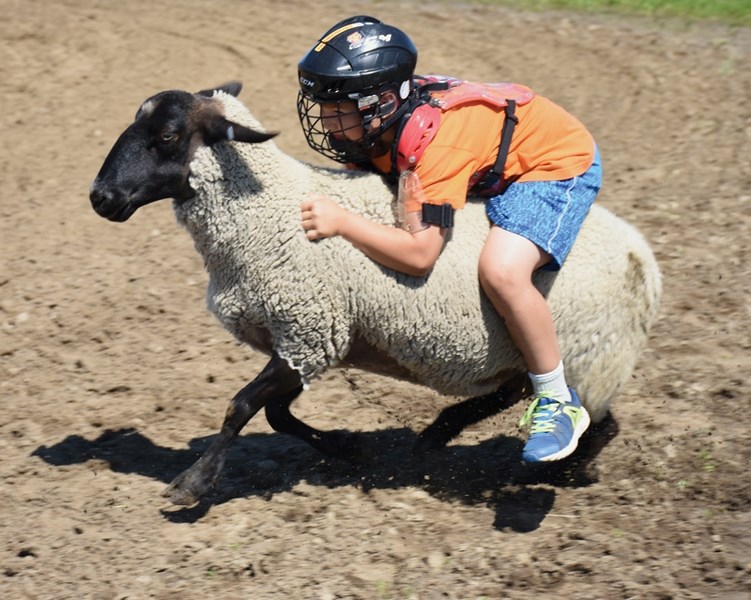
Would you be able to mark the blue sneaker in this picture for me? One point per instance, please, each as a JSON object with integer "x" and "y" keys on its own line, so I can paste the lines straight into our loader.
{"x": 556, "y": 428}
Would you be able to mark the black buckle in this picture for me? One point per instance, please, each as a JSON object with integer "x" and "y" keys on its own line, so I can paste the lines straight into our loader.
{"x": 489, "y": 181}
{"x": 442, "y": 215}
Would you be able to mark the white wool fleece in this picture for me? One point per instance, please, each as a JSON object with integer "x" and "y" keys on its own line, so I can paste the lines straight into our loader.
{"x": 316, "y": 298}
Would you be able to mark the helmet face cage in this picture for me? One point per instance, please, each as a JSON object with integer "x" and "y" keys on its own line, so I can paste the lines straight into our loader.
{"x": 358, "y": 60}
{"x": 331, "y": 141}
{"x": 321, "y": 139}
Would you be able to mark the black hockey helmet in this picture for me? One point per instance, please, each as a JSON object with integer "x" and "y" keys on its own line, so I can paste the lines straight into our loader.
{"x": 357, "y": 60}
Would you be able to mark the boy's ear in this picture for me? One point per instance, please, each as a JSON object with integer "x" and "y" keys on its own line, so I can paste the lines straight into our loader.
{"x": 388, "y": 104}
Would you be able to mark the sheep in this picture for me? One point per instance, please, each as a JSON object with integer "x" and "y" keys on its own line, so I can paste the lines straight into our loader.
{"x": 311, "y": 306}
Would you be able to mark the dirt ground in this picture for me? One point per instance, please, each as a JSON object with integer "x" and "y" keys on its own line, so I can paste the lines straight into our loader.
{"x": 113, "y": 376}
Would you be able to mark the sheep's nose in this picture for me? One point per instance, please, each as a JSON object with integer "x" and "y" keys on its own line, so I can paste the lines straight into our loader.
{"x": 98, "y": 196}
{"x": 101, "y": 200}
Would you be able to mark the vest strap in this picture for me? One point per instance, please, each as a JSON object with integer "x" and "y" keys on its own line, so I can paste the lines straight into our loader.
{"x": 494, "y": 177}
{"x": 442, "y": 215}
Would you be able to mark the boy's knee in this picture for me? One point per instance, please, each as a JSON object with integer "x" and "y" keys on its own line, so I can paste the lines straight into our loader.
{"x": 502, "y": 277}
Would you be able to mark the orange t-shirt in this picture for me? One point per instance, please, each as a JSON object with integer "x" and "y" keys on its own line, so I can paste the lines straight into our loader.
{"x": 548, "y": 144}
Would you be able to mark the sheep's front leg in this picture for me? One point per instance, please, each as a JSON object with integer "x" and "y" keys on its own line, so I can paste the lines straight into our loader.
{"x": 276, "y": 380}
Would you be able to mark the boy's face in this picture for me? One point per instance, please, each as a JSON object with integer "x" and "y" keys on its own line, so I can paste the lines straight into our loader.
{"x": 342, "y": 120}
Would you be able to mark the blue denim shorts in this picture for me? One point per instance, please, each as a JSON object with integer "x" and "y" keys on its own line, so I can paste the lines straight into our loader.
{"x": 548, "y": 213}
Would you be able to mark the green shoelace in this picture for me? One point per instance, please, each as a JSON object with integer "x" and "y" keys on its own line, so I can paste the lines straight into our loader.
{"x": 542, "y": 417}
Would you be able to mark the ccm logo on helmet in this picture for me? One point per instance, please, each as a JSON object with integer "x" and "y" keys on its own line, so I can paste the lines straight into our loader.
{"x": 306, "y": 82}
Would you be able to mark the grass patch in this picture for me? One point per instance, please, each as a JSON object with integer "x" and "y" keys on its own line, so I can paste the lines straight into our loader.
{"x": 730, "y": 12}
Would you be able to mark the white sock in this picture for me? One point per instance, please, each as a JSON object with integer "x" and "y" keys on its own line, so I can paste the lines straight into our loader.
{"x": 551, "y": 385}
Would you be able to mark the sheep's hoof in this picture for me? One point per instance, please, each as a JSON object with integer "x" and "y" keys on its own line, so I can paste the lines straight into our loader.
{"x": 186, "y": 489}
{"x": 181, "y": 497}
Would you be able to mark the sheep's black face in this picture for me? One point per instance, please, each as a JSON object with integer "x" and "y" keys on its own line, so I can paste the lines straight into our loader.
{"x": 150, "y": 160}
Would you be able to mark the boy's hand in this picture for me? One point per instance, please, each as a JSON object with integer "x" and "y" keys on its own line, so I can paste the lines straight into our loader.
{"x": 321, "y": 217}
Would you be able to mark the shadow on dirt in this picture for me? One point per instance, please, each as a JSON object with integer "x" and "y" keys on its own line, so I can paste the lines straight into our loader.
{"x": 488, "y": 473}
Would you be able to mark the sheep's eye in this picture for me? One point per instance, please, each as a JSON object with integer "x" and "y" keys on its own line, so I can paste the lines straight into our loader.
{"x": 168, "y": 136}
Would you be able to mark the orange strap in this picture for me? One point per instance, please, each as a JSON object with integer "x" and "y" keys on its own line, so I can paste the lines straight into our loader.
{"x": 422, "y": 125}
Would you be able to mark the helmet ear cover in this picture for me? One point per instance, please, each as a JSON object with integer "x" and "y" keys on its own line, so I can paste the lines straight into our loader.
{"x": 374, "y": 106}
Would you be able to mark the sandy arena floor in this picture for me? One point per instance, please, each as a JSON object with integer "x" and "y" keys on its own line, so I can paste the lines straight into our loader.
{"x": 113, "y": 376}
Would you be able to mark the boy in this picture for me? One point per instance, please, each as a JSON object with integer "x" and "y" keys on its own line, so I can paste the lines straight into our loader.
{"x": 361, "y": 104}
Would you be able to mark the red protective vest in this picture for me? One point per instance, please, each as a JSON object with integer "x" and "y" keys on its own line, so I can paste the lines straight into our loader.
{"x": 422, "y": 125}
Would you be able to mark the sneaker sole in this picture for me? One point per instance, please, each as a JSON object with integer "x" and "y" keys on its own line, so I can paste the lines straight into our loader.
{"x": 574, "y": 443}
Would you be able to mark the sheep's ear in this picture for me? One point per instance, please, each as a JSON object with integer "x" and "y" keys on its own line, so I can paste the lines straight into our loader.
{"x": 231, "y": 87}
{"x": 220, "y": 129}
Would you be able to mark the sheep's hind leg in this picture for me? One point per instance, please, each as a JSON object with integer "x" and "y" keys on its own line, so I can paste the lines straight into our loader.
{"x": 454, "y": 419}
{"x": 277, "y": 382}
{"x": 335, "y": 444}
